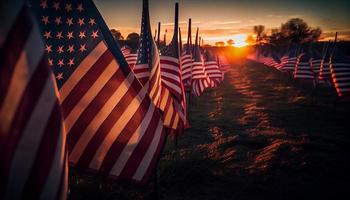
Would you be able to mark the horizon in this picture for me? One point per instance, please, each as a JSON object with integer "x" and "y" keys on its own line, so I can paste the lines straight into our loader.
{"x": 228, "y": 18}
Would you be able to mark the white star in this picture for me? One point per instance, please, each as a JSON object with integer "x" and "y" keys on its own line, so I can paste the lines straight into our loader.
{"x": 80, "y": 7}
{"x": 82, "y": 34}
{"x": 50, "y": 62}
{"x": 68, "y": 7}
{"x": 48, "y": 48}
{"x": 59, "y": 35}
{"x": 70, "y": 48}
{"x": 58, "y": 20}
{"x": 71, "y": 62}
{"x": 47, "y": 34}
{"x": 60, "y": 49}
{"x": 81, "y": 21}
{"x": 43, "y": 4}
{"x": 69, "y": 21}
{"x": 94, "y": 34}
{"x": 60, "y": 62}
{"x": 82, "y": 48}
{"x": 70, "y": 35}
{"x": 92, "y": 21}
{"x": 45, "y": 19}
{"x": 59, "y": 76}
{"x": 56, "y": 5}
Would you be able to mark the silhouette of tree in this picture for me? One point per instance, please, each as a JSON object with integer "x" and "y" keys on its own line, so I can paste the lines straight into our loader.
{"x": 117, "y": 35}
{"x": 296, "y": 30}
{"x": 230, "y": 42}
{"x": 315, "y": 34}
{"x": 259, "y": 30}
{"x": 133, "y": 40}
{"x": 220, "y": 44}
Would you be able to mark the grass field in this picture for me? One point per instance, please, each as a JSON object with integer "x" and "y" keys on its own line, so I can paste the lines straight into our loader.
{"x": 260, "y": 135}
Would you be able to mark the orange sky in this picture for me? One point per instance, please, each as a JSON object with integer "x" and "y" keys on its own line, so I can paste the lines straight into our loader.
{"x": 220, "y": 20}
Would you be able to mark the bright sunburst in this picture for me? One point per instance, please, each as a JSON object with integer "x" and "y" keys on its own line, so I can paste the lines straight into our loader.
{"x": 240, "y": 40}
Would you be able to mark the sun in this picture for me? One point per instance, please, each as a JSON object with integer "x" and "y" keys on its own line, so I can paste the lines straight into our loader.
{"x": 240, "y": 40}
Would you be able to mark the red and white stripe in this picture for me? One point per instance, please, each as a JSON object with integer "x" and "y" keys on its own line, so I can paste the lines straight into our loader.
{"x": 303, "y": 69}
{"x": 290, "y": 65}
{"x": 33, "y": 156}
{"x": 214, "y": 73}
{"x": 130, "y": 58}
{"x": 325, "y": 71}
{"x": 186, "y": 62}
{"x": 113, "y": 127}
{"x": 341, "y": 77}
{"x": 200, "y": 79}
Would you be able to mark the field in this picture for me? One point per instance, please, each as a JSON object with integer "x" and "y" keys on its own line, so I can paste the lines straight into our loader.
{"x": 260, "y": 135}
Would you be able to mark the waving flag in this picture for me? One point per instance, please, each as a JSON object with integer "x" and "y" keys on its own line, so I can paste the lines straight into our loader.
{"x": 212, "y": 69}
{"x": 33, "y": 156}
{"x": 172, "y": 78}
{"x": 340, "y": 70}
{"x": 303, "y": 67}
{"x": 186, "y": 61}
{"x": 200, "y": 80}
{"x": 112, "y": 126}
{"x": 129, "y": 57}
{"x": 147, "y": 68}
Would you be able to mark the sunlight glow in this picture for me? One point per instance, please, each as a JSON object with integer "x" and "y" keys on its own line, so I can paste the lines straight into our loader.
{"x": 240, "y": 40}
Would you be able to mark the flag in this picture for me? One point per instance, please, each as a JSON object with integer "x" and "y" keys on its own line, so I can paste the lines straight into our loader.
{"x": 340, "y": 70}
{"x": 129, "y": 57}
{"x": 186, "y": 61}
{"x": 212, "y": 69}
{"x": 113, "y": 128}
{"x": 33, "y": 156}
{"x": 302, "y": 68}
{"x": 200, "y": 80}
{"x": 147, "y": 68}
{"x": 171, "y": 75}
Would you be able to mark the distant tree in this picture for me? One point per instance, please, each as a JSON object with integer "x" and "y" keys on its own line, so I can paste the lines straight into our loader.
{"x": 230, "y": 42}
{"x": 133, "y": 40}
{"x": 259, "y": 30}
{"x": 296, "y": 30}
{"x": 220, "y": 44}
{"x": 250, "y": 39}
{"x": 315, "y": 34}
{"x": 117, "y": 35}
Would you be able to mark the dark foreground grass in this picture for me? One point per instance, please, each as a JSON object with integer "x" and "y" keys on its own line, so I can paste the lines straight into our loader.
{"x": 260, "y": 135}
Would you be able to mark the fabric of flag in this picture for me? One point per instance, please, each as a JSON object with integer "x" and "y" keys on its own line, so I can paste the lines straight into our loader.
{"x": 33, "y": 153}
{"x": 303, "y": 68}
{"x": 129, "y": 57}
{"x": 186, "y": 63}
{"x": 200, "y": 79}
{"x": 112, "y": 126}
{"x": 212, "y": 69}
{"x": 340, "y": 70}
{"x": 171, "y": 76}
{"x": 147, "y": 68}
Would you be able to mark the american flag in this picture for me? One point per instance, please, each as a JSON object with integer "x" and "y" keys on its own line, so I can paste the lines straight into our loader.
{"x": 186, "y": 61}
{"x": 112, "y": 126}
{"x": 303, "y": 68}
{"x": 212, "y": 69}
{"x": 200, "y": 79}
{"x": 33, "y": 156}
{"x": 129, "y": 57}
{"x": 172, "y": 77}
{"x": 340, "y": 69}
{"x": 147, "y": 68}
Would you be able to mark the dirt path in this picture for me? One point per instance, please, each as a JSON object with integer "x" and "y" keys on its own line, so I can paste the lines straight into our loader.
{"x": 258, "y": 136}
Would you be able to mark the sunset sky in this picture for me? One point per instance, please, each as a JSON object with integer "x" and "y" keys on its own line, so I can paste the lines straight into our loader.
{"x": 220, "y": 20}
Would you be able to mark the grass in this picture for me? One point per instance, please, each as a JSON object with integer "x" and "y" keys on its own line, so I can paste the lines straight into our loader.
{"x": 260, "y": 135}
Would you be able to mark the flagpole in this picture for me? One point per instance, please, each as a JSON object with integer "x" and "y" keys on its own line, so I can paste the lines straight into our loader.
{"x": 158, "y": 36}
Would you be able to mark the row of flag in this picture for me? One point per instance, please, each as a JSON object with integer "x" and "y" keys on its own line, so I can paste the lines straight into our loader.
{"x": 322, "y": 64}
{"x": 69, "y": 95}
